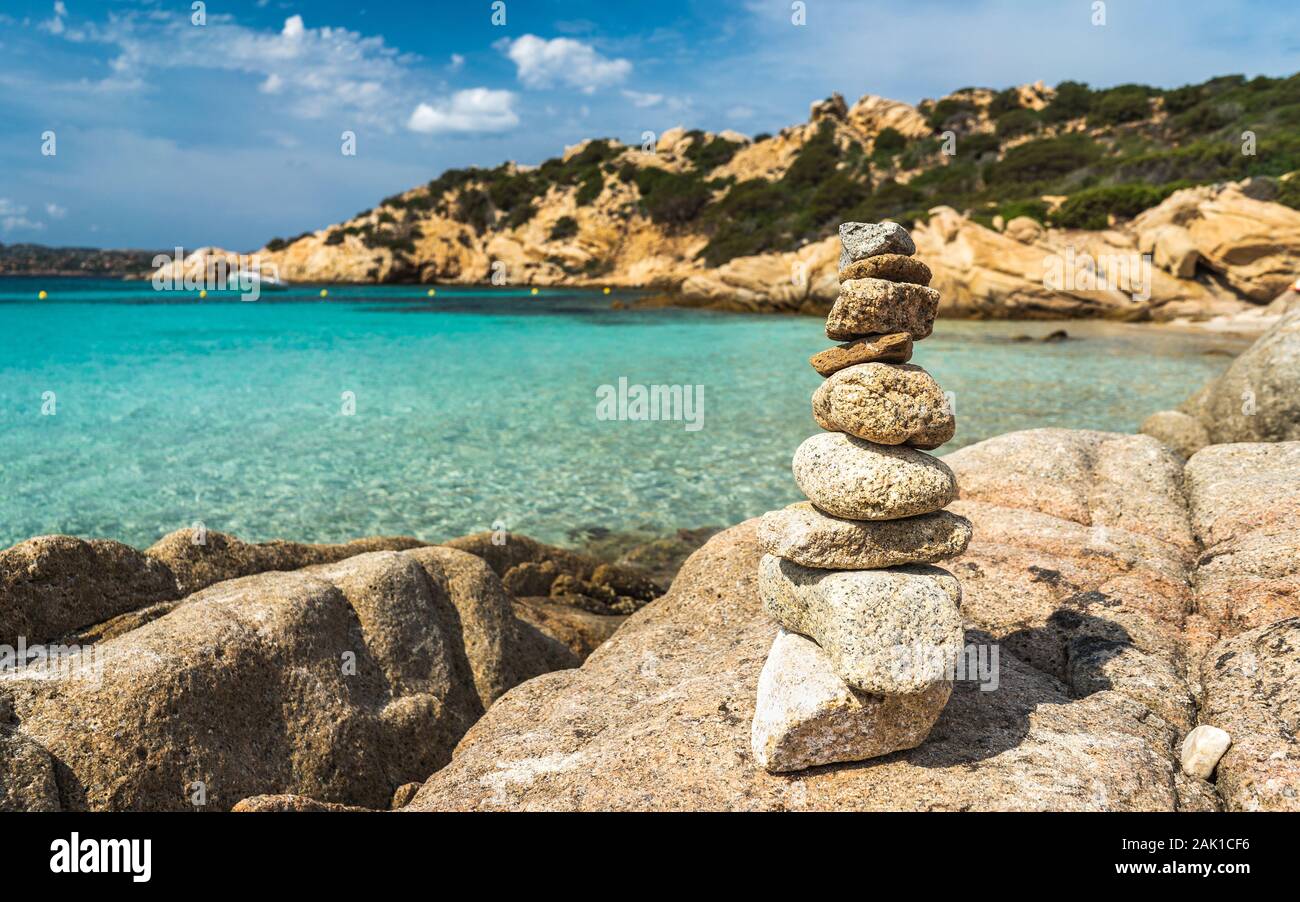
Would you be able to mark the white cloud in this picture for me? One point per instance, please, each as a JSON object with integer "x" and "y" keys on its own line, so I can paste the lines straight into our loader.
{"x": 457, "y": 61}
{"x": 643, "y": 100}
{"x": 472, "y": 110}
{"x": 54, "y": 211}
{"x": 55, "y": 25}
{"x": 13, "y": 217}
{"x": 319, "y": 72}
{"x": 540, "y": 63}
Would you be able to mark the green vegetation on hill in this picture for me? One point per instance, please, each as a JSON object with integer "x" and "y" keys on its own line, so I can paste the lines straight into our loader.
{"x": 1111, "y": 153}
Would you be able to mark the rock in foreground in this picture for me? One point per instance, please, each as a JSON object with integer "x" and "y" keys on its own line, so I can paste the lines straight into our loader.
{"x": 806, "y": 715}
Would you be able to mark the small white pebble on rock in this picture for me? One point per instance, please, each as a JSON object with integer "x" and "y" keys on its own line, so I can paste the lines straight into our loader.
{"x": 1202, "y": 749}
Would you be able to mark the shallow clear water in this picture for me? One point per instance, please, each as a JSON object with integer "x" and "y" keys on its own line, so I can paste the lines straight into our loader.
{"x": 472, "y": 408}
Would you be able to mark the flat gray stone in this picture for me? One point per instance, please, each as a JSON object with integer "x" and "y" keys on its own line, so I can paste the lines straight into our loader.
{"x": 890, "y": 404}
{"x": 860, "y": 240}
{"x": 870, "y": 306}
{"x": 807, "y": 536}
{"x": 807, "y": 716}
{"x": 859, "y": 480}
{"x": 889, "y": 632}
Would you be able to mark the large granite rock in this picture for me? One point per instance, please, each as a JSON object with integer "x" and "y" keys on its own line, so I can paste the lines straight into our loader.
{"x": 1252, "y": 690}
{"x": 659, "y": 718}
{"x": 1245, "y": 506}
{"x": 53, "y": 585}
{"x": 340, "y": 682}
{"x": 1258, "y": 398}
{"x": 202, "y": 558}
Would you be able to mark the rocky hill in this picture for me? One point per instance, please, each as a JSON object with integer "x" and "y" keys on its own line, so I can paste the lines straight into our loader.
{"x": 1198, "y": 176}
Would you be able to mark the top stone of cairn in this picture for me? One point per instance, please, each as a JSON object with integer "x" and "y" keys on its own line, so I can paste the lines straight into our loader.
{"x": 860, "y": 240}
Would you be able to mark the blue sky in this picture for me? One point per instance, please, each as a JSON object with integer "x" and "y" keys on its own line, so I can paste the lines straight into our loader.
{"x": 229, "y": 132}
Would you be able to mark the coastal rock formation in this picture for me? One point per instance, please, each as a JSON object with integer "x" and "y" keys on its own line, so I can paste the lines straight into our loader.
{"x": 341, "y": 682}
{"x": 334, "y": 673}
{"x": 52, "y": 585}
{"x": 1083, "y": 573}
{"x": 1258, "y": 398}
{"x": 198, "y": 559}
{"x": 660, "y": 719}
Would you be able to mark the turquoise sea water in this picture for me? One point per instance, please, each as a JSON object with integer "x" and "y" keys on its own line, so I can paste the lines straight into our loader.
{"x": 472, "y": 408}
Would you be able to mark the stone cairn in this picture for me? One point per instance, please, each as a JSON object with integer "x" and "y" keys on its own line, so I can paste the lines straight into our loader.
{"x": 869, "y": 631}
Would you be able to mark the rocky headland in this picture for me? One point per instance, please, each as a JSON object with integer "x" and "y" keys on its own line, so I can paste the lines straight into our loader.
{"x": 1032, "y": 202}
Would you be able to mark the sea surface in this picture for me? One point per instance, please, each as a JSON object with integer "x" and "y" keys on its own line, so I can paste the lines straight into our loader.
{"x": 127, "y": 413}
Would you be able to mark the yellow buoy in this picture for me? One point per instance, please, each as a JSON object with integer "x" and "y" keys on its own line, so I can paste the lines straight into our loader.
{"x": 203, "y": 294}
{"x": 42, "y": 296}
{"x": 534, "y": 291}
{"x": 324, "y": 293}
{"x": 432, "y": 292}
{"x": 606, "y": 289}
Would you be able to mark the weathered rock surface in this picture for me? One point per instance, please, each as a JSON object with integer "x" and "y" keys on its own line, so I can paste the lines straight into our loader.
{"x": 1252, "y": 690}
{"x": 294, "y": 803}
{"x": 860, "y": 240}
{"x": 870, "y": 306}
{"x": 893, "y": 347}
{"x": 339, "y": 682}
{"x": 52, "y": 585}
{"x": 1258, "y": 398}
{"x": 1245, "y": 508}
{"x": 886, "y": 632}
{"x": 201, "y": 559}
{"x": 806, "y": 716}
{"x": 1184, "y": 433}
{"x": 659, "y": 718}
{"x": 532, "y": 568}
{"x": 848, "y": 477}
{"x": 1097, "y": 479}
{"x": 582, "y": 632}
{"x": 811, "y": 538}
{"x": 890, "y": 267}
{"x": 889, "y": 404}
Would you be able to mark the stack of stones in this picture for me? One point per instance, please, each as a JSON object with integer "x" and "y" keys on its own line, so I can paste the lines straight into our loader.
{"x": 869, "y": 631}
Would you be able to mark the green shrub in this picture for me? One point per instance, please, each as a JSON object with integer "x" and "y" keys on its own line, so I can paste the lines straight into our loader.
{"x": 1004, "y": 102}
{"x": 889, "y": 141}
{"x": 1016, "y": 123}
{"x": 1034, "y": 209}
{"x": 1091, "y": 208}
{"x": 1073, "y": 99}
{"x": 276, "y": 244}
{"x": 590, "y": 189}
{"x": 977, "y": 145}
{"x": 949, "y": 109}
{"x": 1126, "y": 103}
{"x": 1288, "y": 192}
{"x": 474, "y": 208}
{"x": 1044, "y": 160}
{"x": 564, "y": 228}
{"x": 334, "y": 237}
{"x": 670, "y": 198}
{"x": 709, "y": 155}
{"x": 817, "y": 159}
